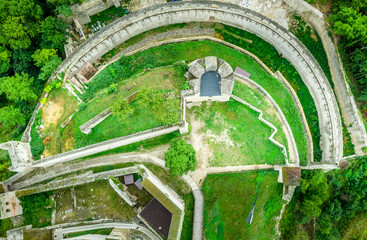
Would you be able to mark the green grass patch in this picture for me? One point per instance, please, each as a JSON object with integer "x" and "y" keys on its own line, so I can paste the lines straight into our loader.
{"x": 226, "y": 208}
{"x": 188, "y": 223}
{"x": 37, "y": 209}
{"x": 269, "y": 55}
{"x": 95, "y": 200}
{"x": 190, "y": 51}
{"x": 256, "y": 99}
{"x": 139, "y": 146}
{"x": 236, "y": 136}
{"x": 168, "y": 79}
{"x": 5, "y": 225}
{"x": 142, "y": 36}
{"x": 348, "y": 146}
{"x": 104, "y": 231}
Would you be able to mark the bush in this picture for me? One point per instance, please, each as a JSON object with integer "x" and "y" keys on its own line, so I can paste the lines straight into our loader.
{"x": 37, "y": 209}
{"x": 122, "y": 109}
{"x": 36, "y": 143}
{"x": 82, "y": 106}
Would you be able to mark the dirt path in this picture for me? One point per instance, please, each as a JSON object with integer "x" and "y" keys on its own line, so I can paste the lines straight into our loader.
{"x": 197, "y": 138}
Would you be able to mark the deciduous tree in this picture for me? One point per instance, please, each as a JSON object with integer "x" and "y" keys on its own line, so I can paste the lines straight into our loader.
{"x": 53, "y": 33}
{"x": 42, "y": 56}
{"x": 5, "y": 56}
{"x": 10, "y": 116}
{"x": 122, "y": 109}
{"x": 180, "y": 157}
{"x": 18, "y": 88}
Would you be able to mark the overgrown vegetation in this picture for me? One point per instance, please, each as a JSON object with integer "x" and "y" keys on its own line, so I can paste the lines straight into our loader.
{"x": 349, "y": 21}
{"x": 311, "y": 39}
{"x": 229, "y": 199}
{"x": 36, "y": 143}
{"x": 5, "y": 163}
{"x": 269, "y": 55}
{"x": 5, "y": 225}
{"x": 37, "y": 209}
{"x": 325, "y": 204}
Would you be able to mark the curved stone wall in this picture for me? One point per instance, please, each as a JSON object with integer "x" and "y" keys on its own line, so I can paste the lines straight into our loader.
{"x": 288, "y": 45}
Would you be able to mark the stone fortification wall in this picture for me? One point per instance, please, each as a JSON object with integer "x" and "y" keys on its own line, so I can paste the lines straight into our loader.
{"x": 178, "y": 12}
{"x": 342, "y": 90}
{"x": 106, "y": 145}
{"x": 86, "y": 128}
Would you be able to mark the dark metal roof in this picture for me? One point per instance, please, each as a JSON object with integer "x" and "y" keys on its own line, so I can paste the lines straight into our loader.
{"x": 242, "y": 72}
{"x": 158, "y": 217}
{"x": 210, "y": 84}
{"x": 138, "y": 184}
{"x": 128, "y": 179}
{"x": 291, "y": 176}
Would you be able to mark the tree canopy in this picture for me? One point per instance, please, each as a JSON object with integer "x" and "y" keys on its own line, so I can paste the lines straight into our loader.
{"x": 122, "y": 109}
{"x": 180, "y": 157}
{"x": 18, "y": 88}
{"x": 42, "y": 56}
{"x": 10, "y": 116}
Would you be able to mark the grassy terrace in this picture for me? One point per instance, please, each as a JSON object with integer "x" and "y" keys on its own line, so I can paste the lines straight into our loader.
{"x": 168, "y": 79}
{"x": 226, "y": 208}
{"x": 269, "y": 55}
{"x": 256, "y": 99}
{"x": 189, "y": 51}
{"x": 236, "y": 136}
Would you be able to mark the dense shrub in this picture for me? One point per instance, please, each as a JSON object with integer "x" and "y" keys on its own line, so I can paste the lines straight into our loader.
{"x": 36, "y": 143}
{"x": 37, "y": 209}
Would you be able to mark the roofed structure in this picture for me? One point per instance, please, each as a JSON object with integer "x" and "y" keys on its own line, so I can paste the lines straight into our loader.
{"x": 129, "y": 179}
{"x": 291, "y": 176}
{"x": 158, "y": 217}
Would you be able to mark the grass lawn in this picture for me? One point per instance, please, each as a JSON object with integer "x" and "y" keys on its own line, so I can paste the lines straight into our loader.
{"x": 103, "y": 231}
{"x": 95, "y": 200}
{"x": 235, "y": 135}
{"x": 167, "y": 78}
{"x": 256, "y": 99}
{"x": 226, "y": 208}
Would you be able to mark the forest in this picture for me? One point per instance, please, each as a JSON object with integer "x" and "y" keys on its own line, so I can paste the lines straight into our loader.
{"x": 32, "y": 40}
{"x": 349, "y": 21}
